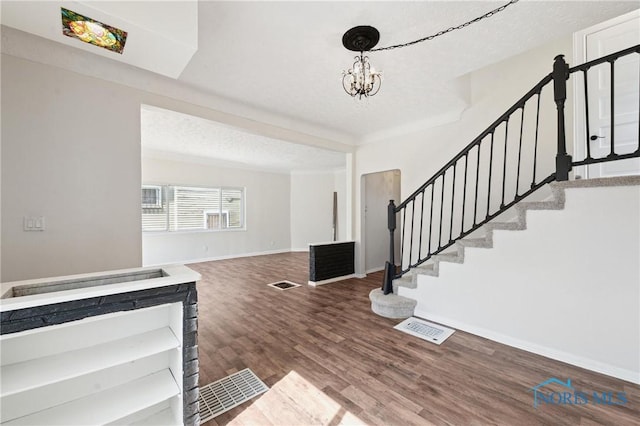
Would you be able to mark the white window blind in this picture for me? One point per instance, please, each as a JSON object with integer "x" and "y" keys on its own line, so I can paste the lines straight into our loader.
{"x": 185, "y": 208}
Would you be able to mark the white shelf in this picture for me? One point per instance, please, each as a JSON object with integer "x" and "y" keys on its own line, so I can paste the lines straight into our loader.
{"x": 109, "y": 405}
{"x": 45, "y": 397}
{"x": 162, "y": 418}
{"x": 95, "y": 330}
{"x": 117, "y": 368}
{"x": 157, "y": 415}
{"x": 23, "y": 376}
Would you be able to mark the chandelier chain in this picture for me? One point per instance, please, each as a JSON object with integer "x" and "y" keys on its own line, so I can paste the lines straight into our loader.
{"x": 448, "y": 30}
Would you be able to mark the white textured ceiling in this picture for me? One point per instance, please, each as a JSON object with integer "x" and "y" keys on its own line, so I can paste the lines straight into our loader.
{"x": 280, "y": 63}
{"x": 192, "y": 138}
{"x": 287, "y": 57}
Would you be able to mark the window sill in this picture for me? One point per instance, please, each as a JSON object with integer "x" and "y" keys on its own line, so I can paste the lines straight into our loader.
{"x": 194, "y": 231}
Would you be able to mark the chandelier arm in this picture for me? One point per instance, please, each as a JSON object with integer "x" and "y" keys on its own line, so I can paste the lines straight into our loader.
{"x": 349, "y": 84}
{"x": 345, "y": 89}
{"x": 448, "y": 30}
{"x": 377, "y": 86}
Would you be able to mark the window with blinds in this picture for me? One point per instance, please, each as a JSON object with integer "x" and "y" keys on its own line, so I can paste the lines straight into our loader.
{"x": 186, "y": 208}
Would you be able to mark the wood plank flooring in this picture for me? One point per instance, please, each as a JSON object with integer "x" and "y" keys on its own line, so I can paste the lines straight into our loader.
{"x": 329, "y": 360}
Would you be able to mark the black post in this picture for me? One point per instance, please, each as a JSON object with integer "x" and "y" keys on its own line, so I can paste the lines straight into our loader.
{"x": 560, "y": 76}
{"x": 390, "y": 266}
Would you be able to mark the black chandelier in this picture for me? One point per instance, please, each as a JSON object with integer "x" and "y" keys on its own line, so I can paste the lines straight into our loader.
{"x": 362, "y": 79}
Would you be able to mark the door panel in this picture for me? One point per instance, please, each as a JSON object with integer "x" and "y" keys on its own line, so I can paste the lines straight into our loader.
{"x": 602, "y": 40}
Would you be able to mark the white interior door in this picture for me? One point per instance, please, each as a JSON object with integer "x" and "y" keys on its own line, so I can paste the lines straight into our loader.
{"x": 593, "y": 43}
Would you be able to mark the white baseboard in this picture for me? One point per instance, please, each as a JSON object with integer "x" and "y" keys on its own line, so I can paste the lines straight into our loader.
{"x": 569, "y": 358}
{"x": 230, "y": 256}
{"x": 360, "y": 276}
{"x": 297, "y": 250}
{"x": 331, "y": 280}
{"x": 371, "y": 271}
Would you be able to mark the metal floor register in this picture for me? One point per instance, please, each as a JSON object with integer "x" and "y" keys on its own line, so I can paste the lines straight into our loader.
{"x": 434, "y": 333}
{"x": 223, "y": 395}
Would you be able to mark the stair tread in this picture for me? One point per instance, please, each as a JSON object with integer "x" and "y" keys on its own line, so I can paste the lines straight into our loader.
{"x": 446, "y": 255}
{"x": 540, "y": 205}
{"x": 426, "y": 266}
{"x": 430, "y": 270}
{"x": 475, "y": 242}
{"x": 505, "y": 225}
{"x": 449, "y": 257}
{"x": 405, "y": 277}
{"x": 378, "y": 297}
{"x": 405, "y": 284}
{"x": 405, "y": 281}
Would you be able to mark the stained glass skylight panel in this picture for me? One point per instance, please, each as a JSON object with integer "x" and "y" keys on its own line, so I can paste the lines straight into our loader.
{"x": 91, "y": 31}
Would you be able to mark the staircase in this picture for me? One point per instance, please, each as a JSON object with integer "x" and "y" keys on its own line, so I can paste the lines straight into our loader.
{"x": 396, "y": 306}
{"x": 484, "y": 187}
{"x": 403, "y": 307}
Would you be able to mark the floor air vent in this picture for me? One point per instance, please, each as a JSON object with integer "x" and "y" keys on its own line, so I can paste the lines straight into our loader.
{"x": 283, "y": 285}
{"x": 425, "y": 330}
{"x": 223, "y": 395}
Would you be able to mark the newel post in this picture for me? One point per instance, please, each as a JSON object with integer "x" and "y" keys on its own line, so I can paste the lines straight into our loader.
{"x": 560, "y": 76}
{"x": 390, "y": 266}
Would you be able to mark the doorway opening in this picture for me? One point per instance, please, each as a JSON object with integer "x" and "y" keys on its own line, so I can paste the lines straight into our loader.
{"x": 377, "y": 189}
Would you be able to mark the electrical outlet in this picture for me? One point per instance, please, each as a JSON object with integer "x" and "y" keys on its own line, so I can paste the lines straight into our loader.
{"x": 33, "y": 223}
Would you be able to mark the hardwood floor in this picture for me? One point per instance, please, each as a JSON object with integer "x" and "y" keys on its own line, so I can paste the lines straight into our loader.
{"x": 329, "y": 360}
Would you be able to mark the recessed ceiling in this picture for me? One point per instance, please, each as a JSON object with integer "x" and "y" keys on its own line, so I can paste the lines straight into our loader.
{"x": 162, "y": 36}
{"x": 173, "y": 135}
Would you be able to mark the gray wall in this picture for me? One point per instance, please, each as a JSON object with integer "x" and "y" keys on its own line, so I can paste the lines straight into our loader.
{"x": 71, "y": 153}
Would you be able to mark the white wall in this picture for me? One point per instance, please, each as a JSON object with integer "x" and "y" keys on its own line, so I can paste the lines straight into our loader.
{"x": 0, "y": 183}
{"x": 312, "y": 207}
{"x": 267, "y": 214}
{"x": 70, "y": 153}
{"x": 492, "y": 91}
{"x": 567, "y": 287}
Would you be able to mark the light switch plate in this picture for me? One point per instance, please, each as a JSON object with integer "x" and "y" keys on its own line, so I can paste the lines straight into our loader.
{"x": 33, "y": 223}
